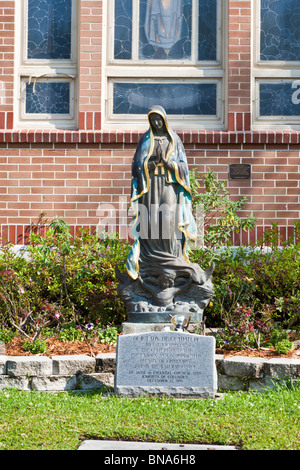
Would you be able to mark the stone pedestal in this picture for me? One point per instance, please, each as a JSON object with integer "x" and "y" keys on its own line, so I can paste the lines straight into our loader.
{"x": 136, "y": 328}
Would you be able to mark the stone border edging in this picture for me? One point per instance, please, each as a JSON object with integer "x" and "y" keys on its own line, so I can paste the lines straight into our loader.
{"x": 84, "y": 373}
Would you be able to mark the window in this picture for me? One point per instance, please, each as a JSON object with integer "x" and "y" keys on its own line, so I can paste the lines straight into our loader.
{"x": 277, "y": 64}
{"x": 47, "y": 64}
{"x": 168, "y": 53}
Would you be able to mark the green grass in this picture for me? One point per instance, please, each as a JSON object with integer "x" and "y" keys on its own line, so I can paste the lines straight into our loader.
{"x": 37, "y": 420}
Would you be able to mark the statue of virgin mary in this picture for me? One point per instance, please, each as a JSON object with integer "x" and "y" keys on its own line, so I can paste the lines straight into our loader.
{"x": 161, "y": 203}
{"x": 160, "y": 277}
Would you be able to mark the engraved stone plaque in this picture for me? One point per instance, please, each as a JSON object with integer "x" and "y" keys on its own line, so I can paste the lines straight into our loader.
{"x": 166, "y": 363}
{"x": 239, "y": 171}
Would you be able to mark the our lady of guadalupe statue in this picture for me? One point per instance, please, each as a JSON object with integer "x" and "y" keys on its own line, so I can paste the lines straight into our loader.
{"x": 160, "y": 277}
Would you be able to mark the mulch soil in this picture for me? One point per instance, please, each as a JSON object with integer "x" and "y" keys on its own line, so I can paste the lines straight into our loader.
{"x": 59, "y": 348}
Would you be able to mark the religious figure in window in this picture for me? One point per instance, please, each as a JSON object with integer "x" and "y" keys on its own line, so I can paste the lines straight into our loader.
{"x": 163, "y": 22}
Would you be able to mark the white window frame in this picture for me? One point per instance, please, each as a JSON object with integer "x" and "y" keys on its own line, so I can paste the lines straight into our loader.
{"x": 181, "y": 71}
{"x": 270, "y": 71}
{"x": 37, "y": 70}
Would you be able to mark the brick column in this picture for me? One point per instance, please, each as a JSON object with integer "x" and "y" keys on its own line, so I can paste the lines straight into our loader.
{"x": 239, "y": 65}
{"x": 89, "y": 64}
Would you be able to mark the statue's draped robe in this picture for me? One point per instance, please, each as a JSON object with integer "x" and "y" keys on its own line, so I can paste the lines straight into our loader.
{"x": 160, "y": 242}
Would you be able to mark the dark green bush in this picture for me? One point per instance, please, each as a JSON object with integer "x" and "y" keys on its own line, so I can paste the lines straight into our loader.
{"x": 268, "y": 283}
{"x": 60, "y": 280}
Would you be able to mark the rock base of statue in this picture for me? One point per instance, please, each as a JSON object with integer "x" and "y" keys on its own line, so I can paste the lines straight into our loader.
{"x": 157, "y": 304}
{"x": 129, "y": 328}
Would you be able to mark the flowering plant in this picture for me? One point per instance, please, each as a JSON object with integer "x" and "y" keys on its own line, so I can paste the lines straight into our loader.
{"x": 243, "y": 330}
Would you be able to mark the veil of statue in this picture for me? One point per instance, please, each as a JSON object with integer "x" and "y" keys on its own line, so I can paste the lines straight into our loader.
{"x": 160, "y": 280}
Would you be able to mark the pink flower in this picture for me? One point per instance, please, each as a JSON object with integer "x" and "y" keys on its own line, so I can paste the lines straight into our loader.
{"x": 57, "y": 315}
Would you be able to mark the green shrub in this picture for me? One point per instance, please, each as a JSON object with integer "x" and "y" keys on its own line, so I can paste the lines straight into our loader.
{"x": 284, "y": 346}
{"x": 7, "y": 335}
{"x": 71, "y": 333}
{"x": 60, "y": 280}
{"x": 266, "y": 282}
{"x": 35, "y": 347}
{"x": 221, "y": 214}
{"x": 108, "y": 335}
{"x": 79, "y": 274}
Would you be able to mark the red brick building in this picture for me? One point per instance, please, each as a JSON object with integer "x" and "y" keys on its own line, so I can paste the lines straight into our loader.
{"x": 76, "y": 76}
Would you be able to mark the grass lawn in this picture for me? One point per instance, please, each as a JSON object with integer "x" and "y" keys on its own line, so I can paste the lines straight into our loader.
{"x": 60, "y": 421}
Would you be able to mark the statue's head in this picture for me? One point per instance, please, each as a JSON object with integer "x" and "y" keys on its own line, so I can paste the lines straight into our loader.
{"x": 158, "y": 120}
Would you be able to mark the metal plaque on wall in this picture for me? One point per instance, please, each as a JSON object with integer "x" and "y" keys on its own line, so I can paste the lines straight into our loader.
{"x": 239, "y": 171}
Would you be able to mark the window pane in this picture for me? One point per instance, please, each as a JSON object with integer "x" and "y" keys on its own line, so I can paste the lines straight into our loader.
{"x": 165, "y": 29}
{"x": 48, "y": 98}
{"x": 49, "y": 29}
{"x": 123, "y": 29}
{"x": 189, "y": 99}
{"x": 280, "y": 30}
{"x": 207, "y": 44}
{"x": 279, "y": 99}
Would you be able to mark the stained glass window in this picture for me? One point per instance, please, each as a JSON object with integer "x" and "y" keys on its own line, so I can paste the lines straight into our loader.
{"x": 156, "y": 56}
{"x": 280, "y": 30}
{"x": 279, "y": 99}
{"x": 48, "y": 98}
{"x": 176, "y": 98}
{"x": 49, "y": 29}
{"x": 207, "y": 41}
{"x": 165, "y": 29}
{"x": 123, "y": 29}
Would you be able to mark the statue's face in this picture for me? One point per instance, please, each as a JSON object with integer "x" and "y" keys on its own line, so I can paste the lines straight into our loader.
{"x": 157, "y": 121}
{"x": 165, "y": 282}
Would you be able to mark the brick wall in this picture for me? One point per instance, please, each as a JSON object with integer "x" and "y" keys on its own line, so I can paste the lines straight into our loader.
{"x": 73, "y": 174}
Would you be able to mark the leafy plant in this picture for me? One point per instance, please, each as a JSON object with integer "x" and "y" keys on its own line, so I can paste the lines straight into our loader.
{"x": 284, "y": 346}
{"x": 108, "y": 335}
{"x": 221, "y": 217}
{"x": 244, "y": 329}
{"x": 35, "y": 347}
{"x": 79, "y": 273}
{"x": 7, "y": 335}
{"x": 71, "y": 333}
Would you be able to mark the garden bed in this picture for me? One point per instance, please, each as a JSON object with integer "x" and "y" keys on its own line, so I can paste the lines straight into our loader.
{"x": 55, "y": 347}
